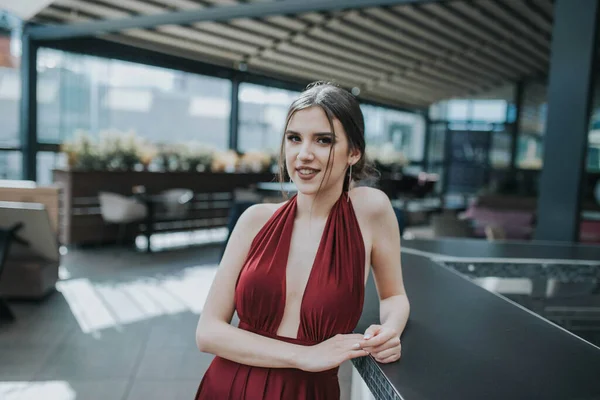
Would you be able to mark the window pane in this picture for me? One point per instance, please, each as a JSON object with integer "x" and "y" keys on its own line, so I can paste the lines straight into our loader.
{"x": 11, "y": 165}
{"x": 458, "y": 110}
{"x": 532, "y": 126}
{"x": 262, "y": 116}
{"x": 501, "y": 148}
{"x": 404, "y": 131}
{"x": 437, "y": 140}
{"x": 96, "y": 94}
{"x": 489, "y": 110}
{"x": 46, "y": 162}
{"x": 10, "y": 94}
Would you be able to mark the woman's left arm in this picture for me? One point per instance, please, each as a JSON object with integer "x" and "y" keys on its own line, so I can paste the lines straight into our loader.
{"x": 383, "y": 341}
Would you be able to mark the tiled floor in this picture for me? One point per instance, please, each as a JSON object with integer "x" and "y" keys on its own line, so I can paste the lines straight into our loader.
{"x": 121, "y": 326}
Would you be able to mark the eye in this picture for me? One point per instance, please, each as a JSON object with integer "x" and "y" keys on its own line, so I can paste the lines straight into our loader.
{"x": 293, "y": 138}
{"x": 324, "y": 140}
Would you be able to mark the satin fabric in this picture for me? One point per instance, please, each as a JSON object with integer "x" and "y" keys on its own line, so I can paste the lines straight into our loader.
{"x": 331, "y": 304}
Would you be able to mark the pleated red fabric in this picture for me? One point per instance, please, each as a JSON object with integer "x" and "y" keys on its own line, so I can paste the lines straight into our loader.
{"x": 332, "y": 304}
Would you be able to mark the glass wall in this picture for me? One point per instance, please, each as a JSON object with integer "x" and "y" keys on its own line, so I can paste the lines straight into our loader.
{"x": 95, "y": 94}
{"x": 532, "y": 126}
{"x": 471, "y": 139}
{"x": 402, "y": 131}
{"x": 10, "y": 95}
{"x": 262, "y": 113}
{"x": 10, "y": 165}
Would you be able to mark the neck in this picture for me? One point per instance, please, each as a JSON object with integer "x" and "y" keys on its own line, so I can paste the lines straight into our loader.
{"x": 317, "y": 206}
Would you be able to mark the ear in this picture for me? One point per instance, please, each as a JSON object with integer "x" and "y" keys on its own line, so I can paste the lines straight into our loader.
{"x": 355, "y": 156}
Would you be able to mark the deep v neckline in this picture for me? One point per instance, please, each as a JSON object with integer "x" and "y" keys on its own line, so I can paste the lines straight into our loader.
{"x": 313, "y": 268}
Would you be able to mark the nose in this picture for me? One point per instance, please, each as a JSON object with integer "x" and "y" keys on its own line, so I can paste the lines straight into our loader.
{"x": 305, "y": 153}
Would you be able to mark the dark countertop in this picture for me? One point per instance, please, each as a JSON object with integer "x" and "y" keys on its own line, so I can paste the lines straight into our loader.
{"x": 463, "y": 342}
{"x": 476, "y": 248}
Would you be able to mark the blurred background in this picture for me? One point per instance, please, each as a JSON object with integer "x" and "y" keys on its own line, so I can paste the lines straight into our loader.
{"x": 131, "y": 150}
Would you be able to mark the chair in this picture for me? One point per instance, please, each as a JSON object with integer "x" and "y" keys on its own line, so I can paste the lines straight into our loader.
{"x": 6, "y": 236}
{"x": 176, "y": 202}
{"x": 121, "y": 210}
{"x": 30, "y": 258}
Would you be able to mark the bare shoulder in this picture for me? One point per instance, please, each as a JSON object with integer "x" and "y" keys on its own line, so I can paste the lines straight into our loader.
{"x": 370, "y": 202}
{"x": 253, "y": 219}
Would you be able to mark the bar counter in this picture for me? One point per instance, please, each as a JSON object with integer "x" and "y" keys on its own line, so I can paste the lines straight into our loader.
{"x": 465, "y": 342}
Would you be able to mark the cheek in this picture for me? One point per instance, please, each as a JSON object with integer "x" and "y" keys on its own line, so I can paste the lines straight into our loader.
{"x": 290, "y": 158}
{"x": 337, "y": 165}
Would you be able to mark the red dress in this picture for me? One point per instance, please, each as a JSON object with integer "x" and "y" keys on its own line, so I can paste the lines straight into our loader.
{"x": 332, "y": 304}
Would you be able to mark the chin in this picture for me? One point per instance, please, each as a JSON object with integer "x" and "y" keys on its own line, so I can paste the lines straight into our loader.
{"x": 307, "y": 188}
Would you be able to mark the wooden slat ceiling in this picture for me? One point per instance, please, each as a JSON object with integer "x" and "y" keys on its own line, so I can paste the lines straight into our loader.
{"x": 406, "y": 56}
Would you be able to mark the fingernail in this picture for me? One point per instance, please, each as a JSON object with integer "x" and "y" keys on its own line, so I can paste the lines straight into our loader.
{"x": 356, "y": 346}
{"x": 367, "y": 337}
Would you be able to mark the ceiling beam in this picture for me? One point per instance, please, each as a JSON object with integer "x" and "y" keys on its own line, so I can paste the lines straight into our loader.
{"x": 246, "y": 10}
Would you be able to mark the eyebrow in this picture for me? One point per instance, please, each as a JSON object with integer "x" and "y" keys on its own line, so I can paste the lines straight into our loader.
{"x": 315, "y": 134}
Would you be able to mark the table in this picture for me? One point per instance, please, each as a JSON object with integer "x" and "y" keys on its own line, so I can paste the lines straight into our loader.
{"x": 464, "y": 342}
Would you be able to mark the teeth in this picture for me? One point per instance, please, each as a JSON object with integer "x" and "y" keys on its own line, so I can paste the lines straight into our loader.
{"x": 306, "y": 171}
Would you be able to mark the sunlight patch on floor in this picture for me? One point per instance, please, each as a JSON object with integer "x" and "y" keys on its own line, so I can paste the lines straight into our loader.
{"x": 98, "y": 306}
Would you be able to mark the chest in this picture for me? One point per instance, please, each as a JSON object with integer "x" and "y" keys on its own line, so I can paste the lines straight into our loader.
{"x": 305, "y": 244}
{"x": 304, "y": 247}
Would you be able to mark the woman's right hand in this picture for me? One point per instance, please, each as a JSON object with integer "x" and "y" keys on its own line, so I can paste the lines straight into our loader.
{"x": 331, "y": 353}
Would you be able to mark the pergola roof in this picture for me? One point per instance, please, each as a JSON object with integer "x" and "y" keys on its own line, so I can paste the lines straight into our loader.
{"x": 408, "y": 55}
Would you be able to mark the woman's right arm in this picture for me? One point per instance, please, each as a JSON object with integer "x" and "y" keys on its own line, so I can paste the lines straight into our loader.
{"x": 216, "y": 335}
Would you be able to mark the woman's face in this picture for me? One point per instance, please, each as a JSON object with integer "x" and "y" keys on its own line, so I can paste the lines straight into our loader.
{"x": 308, "y": 141}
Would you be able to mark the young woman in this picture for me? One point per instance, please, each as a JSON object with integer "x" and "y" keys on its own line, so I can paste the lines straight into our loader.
{"x": 296, "y": 272}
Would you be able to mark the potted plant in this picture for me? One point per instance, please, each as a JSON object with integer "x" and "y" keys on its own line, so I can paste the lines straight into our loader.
{"x": 197, "y": 156}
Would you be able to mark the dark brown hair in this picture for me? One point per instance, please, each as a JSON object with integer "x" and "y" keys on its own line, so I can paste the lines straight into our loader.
{"x": 339, "y": 104}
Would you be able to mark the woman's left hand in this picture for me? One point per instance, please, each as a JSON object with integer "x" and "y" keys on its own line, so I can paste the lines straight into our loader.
{"x": 382, "y": 343}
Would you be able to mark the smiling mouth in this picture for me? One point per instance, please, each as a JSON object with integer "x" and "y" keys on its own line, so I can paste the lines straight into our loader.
{"x": 306, "y": 172}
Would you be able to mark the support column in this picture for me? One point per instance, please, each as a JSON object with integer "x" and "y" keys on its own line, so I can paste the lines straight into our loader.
{"x": 570, "y": 91}
{"x": 426, "y": 142}
{"x": 234, "y": 113}
{"x": 28, "y": 111}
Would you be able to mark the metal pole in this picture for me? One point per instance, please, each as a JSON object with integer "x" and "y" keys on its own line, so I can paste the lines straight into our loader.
{"x": 570, "y": 92}
{"x": 234, "y": 113}
{"x": 28, "y": 110}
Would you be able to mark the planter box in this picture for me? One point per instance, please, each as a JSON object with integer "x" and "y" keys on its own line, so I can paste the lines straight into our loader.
{"x": 81, "y": 221}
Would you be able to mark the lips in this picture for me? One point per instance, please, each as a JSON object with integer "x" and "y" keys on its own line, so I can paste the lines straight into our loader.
{"x": 306, "y": 172}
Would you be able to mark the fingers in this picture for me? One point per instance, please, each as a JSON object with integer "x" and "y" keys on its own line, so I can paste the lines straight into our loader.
{"x": 390, "y": 359}
{"x": 392, "y": 343}
{"x": 378, "y": 340}
{"x": 371, "y": 331}
{"x": 354, "y": 336}
{"x": 379, "y": 356}
{"x": 356, "y": 353}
